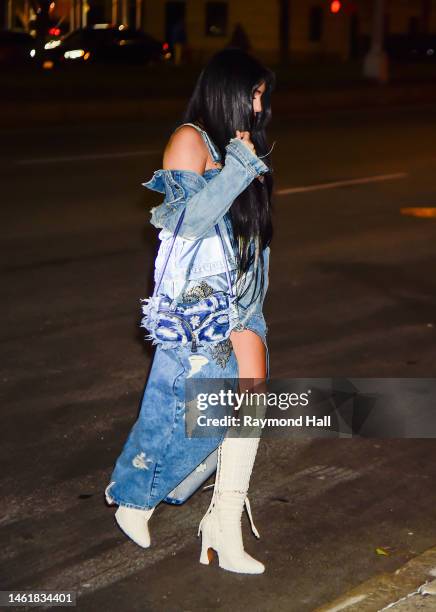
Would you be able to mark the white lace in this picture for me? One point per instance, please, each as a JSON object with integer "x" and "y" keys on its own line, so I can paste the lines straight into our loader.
{"x": 215, "y": 495}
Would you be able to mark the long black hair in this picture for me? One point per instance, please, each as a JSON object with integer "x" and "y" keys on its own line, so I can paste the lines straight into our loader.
{"x": 221, "y": 103}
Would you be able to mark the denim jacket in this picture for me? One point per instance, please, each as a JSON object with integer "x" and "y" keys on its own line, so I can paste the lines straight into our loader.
{"x": 196, "y": 265}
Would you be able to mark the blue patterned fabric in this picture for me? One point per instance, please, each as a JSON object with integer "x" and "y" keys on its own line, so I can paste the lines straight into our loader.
{"x": 207, "y": 320}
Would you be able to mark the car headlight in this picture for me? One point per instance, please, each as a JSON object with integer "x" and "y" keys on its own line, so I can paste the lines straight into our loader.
{"x": 52, "y": 44}
{"x": 74, "y": 54}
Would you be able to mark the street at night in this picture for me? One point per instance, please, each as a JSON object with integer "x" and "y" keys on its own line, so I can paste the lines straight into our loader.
{"x": 352, "y": 292}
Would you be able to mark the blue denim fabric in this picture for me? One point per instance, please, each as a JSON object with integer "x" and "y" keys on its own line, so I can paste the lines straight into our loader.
{"x": 196, "y": 256}
{"x": 210, "y": 195}
{"x": 157, "y": 456}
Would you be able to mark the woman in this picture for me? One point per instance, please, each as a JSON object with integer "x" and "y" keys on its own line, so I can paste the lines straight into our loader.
{"x": 215, "y": 233}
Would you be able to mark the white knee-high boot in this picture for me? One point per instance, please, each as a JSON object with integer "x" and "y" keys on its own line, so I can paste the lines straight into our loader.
{"x": 221, "y": 525}
{"x": 133, "y": 521}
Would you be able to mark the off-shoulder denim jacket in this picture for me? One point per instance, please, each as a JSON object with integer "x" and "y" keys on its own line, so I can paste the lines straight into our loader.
{"x": 208, "y": 200}
{"x": 196, "y": 264}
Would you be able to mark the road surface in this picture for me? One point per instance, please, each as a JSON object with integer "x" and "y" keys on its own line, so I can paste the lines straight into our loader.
{"x": 352, "y": 293}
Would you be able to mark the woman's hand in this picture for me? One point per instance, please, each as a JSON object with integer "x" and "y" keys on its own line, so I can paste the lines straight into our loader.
{"x": 245, "y": 137}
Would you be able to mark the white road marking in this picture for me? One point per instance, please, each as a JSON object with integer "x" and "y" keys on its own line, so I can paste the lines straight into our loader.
{"x": 124, "y": 560}
{"x": 408, "y": 596}
{"x": 87, "y": 157}
{"x": 350, "y": 601}
{"x": 333, "y": 184}
{"x": 60, "y": 498}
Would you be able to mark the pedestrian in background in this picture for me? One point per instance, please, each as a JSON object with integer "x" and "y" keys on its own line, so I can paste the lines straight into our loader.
{"x": 240, "y": 39}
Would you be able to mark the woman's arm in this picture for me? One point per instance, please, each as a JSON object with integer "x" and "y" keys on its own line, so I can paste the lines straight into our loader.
{"x": 186, "y": 150}
{"x": 212, "y": 198}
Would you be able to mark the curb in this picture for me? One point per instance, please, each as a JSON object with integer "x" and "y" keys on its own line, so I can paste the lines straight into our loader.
{"x": 385, "y": 589}
{"x": 284, "y": 103}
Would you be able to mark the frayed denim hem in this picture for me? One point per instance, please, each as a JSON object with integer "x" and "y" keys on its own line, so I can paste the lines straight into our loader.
{"x": 120, "y": 502}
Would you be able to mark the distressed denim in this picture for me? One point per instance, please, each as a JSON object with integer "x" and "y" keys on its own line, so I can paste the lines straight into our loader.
{"x": 157, "y": 455}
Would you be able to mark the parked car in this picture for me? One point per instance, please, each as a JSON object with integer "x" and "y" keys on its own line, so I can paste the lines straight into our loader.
{"x": 15, "y": 47}
{"x": 105, "y": 43}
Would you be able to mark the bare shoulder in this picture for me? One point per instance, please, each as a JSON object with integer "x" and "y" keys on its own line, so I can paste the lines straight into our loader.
{"x": 185, "y": 150}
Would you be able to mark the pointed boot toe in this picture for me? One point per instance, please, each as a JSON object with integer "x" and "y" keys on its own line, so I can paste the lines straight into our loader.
{"x": 134, "y": 523}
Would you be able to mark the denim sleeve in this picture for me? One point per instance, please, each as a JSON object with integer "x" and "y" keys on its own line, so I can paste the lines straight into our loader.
{"x": 214, "y": 198}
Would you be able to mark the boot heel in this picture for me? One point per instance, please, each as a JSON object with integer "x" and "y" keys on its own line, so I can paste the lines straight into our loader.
{"x": 206, "y": 552}
{"x": 220, "y": 527}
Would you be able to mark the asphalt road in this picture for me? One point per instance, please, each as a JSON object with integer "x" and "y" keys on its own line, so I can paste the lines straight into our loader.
{"x": 352, "y": 293}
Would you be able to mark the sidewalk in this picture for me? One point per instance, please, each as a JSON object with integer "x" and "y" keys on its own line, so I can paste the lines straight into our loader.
{"x": 411, "y": 587}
